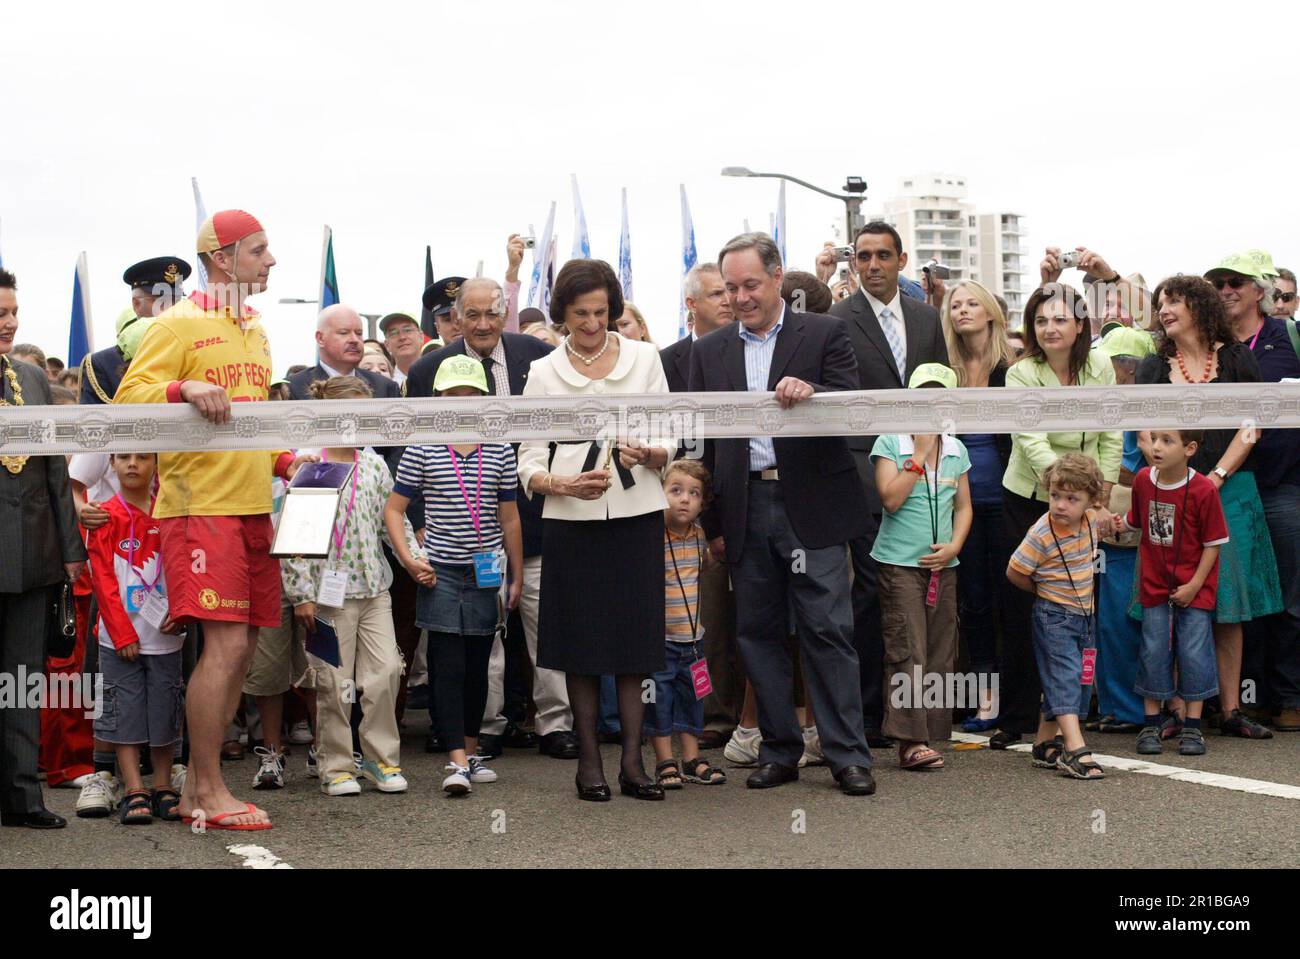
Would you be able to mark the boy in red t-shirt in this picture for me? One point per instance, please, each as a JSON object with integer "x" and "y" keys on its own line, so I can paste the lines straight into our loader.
{"x": 1181, "y": 520}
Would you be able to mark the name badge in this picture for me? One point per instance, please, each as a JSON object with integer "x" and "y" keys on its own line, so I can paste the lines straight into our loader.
{"x": 700, "y": 678}
{"x": 488, "y": 568}
{"x": 154, "y": 608}
{"x": 1089, "y": 667}
{"x": 333, "y": 588}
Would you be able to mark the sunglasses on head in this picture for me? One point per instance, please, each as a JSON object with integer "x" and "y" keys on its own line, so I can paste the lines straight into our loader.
{"x": 1236, "y": 282}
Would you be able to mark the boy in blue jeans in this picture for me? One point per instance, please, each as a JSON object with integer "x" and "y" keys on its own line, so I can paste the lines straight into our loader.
{"x": 1181, "y": 520}
{"x": 1055, "y": 561}
{"x": 676, "y": 707}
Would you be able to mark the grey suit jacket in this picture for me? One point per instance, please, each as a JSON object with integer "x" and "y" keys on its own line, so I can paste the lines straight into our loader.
{"x": 38, "y": 523}
{"x": 876, "y": 367}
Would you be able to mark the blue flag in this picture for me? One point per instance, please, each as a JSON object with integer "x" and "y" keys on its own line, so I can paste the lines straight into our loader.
{"x": 689, "y": 258}
{"x": 625, "y": 254}
{"x": 80, "y": 338}
{"x": 778, "y": 228}
{"x": 581, "y": 242}
{"x": 329, "y": 283}
{"x": 541, "y": 253}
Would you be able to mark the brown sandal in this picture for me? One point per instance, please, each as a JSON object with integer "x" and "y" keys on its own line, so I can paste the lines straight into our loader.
{"x": 921, "y": 757}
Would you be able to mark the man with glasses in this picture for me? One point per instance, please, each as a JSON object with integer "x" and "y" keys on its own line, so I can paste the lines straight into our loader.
{"x": 1271, "y": 653}
{"x": 402, "y": 339}
{"x": 1284, "y": 290}
{"x": 891, "y": 334}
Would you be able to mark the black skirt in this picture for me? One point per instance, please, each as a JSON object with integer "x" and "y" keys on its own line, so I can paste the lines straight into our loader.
{"x": 602, "y": 596}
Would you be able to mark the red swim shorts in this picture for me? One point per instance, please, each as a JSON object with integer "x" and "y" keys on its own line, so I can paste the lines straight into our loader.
{"x": 220, "y": 567}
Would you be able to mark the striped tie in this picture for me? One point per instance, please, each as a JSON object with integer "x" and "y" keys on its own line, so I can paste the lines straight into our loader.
{"x": 895, "y": 342}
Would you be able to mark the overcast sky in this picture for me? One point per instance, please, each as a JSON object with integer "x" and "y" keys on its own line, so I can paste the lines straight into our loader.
{"x": 1160, "y": 134}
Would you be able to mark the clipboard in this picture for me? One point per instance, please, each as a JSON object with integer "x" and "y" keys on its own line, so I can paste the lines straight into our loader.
{"x": 310, "y": 511}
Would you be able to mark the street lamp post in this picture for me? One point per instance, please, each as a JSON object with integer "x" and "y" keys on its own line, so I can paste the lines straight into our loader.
{"x": 856, "y": 189}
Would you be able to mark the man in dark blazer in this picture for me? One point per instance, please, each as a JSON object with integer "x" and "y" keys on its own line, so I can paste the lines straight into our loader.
{"x": 41, "y": 548}
{"x": 707, "y": 309}
{"x": 891, "y": 334}
{"x": 506, "y": 357}
{"x": 782, "y": 512}
{"x": 340, "y": 343}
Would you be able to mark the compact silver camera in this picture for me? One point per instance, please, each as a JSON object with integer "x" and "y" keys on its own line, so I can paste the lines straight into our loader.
{"x": 530, "y": 242}
{"x": 1070, "y": 260}
{"x": 937, "y": 270}
{"x": 843, "y": 254}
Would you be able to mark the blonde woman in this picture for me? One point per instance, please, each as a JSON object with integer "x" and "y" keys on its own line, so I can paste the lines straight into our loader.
{"x": 632, "y": 325}
{"x": 975, "y": 332}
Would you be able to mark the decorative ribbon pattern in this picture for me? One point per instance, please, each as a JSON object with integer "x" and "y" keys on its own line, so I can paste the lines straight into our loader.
{"x": 49, "y": 430}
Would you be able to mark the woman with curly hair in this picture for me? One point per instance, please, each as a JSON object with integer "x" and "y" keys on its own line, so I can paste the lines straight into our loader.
{"x": 1199, "y": 347}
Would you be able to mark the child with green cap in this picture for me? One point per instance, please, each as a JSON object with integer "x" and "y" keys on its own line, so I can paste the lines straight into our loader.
{"x": 927, "y": 516}
{"x": 475, "y": 548}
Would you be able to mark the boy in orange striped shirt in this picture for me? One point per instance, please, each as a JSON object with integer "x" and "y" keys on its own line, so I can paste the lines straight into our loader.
{"x": 1055, "y": 561}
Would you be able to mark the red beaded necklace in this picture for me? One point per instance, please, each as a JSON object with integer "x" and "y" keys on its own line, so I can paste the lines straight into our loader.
{"x": 1187, "y": 377}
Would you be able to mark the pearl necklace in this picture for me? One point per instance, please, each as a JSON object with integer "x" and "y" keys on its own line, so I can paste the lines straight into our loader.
{"x": 568, "y": 345}
{"x": 14, "y": 464}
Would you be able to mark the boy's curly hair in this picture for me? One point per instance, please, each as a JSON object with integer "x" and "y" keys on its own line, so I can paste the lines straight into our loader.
{"x": 1074, "y": 472}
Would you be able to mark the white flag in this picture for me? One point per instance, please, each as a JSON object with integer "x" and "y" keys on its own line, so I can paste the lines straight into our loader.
{"x": 689, "y": 258}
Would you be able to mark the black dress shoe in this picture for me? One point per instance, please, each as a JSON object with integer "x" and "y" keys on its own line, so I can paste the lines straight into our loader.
{"x": 40, "y": 819}
{"x": 650, "y": 790}
{"x": 558, "y": 745}
{"x": 878, "y": 740}
{"x": 489, "y": 746}
{"x": 1001, "y": 740}
{"x": 434, "y": 744}
{"x": 517, "y": 737}
{"x": 856, "y": 781}
{"x": 771, "y": 774}
{"x": 598, "y": 793}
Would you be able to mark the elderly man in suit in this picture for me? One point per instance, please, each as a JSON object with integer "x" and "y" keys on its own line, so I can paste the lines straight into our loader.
{"x": 481, "y": 308}
{"x": 41, "y": 547}
{"x": 340, "y": 342}
{"x": 782, "y": 513}
{"x": 707, "y": 309}
{"x": 891, "y": 334}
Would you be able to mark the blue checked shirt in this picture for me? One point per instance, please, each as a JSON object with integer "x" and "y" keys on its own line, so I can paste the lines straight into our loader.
{"x": 758, "y": 366}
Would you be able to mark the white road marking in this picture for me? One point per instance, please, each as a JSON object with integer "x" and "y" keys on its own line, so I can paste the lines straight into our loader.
{"x": 1258, "y": 787}
{"x": 258, "y": 857}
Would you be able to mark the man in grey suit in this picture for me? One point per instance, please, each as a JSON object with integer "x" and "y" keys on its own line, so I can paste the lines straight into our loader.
{"x": 41, "y": 547}
{"x": 891, "y": 334}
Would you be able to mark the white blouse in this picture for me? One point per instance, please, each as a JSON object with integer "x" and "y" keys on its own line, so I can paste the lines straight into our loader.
{"x": 637, "y": 371}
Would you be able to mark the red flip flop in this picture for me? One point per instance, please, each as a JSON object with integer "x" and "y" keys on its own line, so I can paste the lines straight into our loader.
{"x": 919, "y": 759}
{"x": 219, "y": 821}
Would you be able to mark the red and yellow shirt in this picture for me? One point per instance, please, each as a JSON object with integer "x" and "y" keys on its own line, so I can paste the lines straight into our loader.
{"x": 199, "y": 339}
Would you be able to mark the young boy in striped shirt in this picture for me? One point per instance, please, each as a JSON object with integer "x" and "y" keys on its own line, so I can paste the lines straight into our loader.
{"x": 676, "y": 707}
{"x": 1055, "y": 561}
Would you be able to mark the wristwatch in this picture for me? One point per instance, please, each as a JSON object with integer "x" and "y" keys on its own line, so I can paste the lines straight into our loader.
{"x": 1223, "y": 474}
{"x": 910, "y": 465}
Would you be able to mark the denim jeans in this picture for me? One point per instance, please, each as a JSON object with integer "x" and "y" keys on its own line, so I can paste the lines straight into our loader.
{"x": 675, "y": 708}
{"x": 1193, "y": 644}
{"x": 1060, "y": 637}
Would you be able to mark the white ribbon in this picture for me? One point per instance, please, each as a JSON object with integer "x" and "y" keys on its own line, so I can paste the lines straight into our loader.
{"x": 48, "y": 430}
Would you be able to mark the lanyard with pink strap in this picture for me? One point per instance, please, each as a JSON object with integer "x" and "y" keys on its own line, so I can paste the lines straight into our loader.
{"x": 476, "y": 510}
{"x": 340, "y": 531}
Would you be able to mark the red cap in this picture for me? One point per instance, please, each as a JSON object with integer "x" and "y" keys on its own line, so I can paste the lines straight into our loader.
{"x": 224, "y": 228}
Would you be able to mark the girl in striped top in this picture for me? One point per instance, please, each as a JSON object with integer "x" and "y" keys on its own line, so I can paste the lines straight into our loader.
{"x": 473, "y": 542}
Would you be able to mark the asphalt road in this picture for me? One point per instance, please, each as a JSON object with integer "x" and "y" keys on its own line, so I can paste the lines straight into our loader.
{"x": 989, "y": 809}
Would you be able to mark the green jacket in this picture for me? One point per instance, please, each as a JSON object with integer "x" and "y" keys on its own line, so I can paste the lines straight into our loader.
{"x": 1032, "y": 453}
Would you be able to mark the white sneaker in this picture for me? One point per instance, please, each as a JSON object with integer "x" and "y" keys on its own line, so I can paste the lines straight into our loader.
{"x": 312, "y": 769}
{"x": 179, "y": 773}
{"x": 479, "y": 772}
{"x": 388, "y": 779}
{"x": 341, "y": 785}
{"x": 812, "y": 748}
{"x": 456, "y": 784}
{"x": 271, "y": 772}
{"x": 742, "y": 747}
{"x": 300, "y": 734}
{"x": 77, "y": 783}
{"x": 99, "y": 797}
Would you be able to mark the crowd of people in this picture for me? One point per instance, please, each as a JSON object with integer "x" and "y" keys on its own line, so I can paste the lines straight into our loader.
{"x": 778, "y": 599}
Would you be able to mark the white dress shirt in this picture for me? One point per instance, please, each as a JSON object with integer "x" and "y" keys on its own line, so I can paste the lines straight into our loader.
{"x": 638, "y": 370}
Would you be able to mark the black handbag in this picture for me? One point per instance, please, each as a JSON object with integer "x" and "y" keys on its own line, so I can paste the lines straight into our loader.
{"x": 61, "y": 625}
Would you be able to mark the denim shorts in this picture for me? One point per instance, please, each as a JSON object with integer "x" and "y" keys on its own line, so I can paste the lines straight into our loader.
{"x": 456, "y": 604}
{"x": 1198, "y": 670}
{"x": 144, "y": 701}
{"x": 1060, "y": 636}
{"x": 675, "y": 708}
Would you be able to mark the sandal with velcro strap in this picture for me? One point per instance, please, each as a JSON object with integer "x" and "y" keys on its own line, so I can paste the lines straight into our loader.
{"x": 668, "y": 774}
{"x": 1071, "y": 764}
{"x": 1047, "y": 753}
{"x": 137, "y": 808}
{"x": 703, "y": 773}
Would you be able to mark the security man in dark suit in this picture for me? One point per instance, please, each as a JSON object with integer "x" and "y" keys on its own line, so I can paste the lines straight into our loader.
{"x": 155, "y": 286}
{"x": 340, "y": 343}
{"x": 41, "y": 548}
{"x": 506, "y": 357}
{"x": 782, "y": 512}
{"x": 891, "y": 335}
